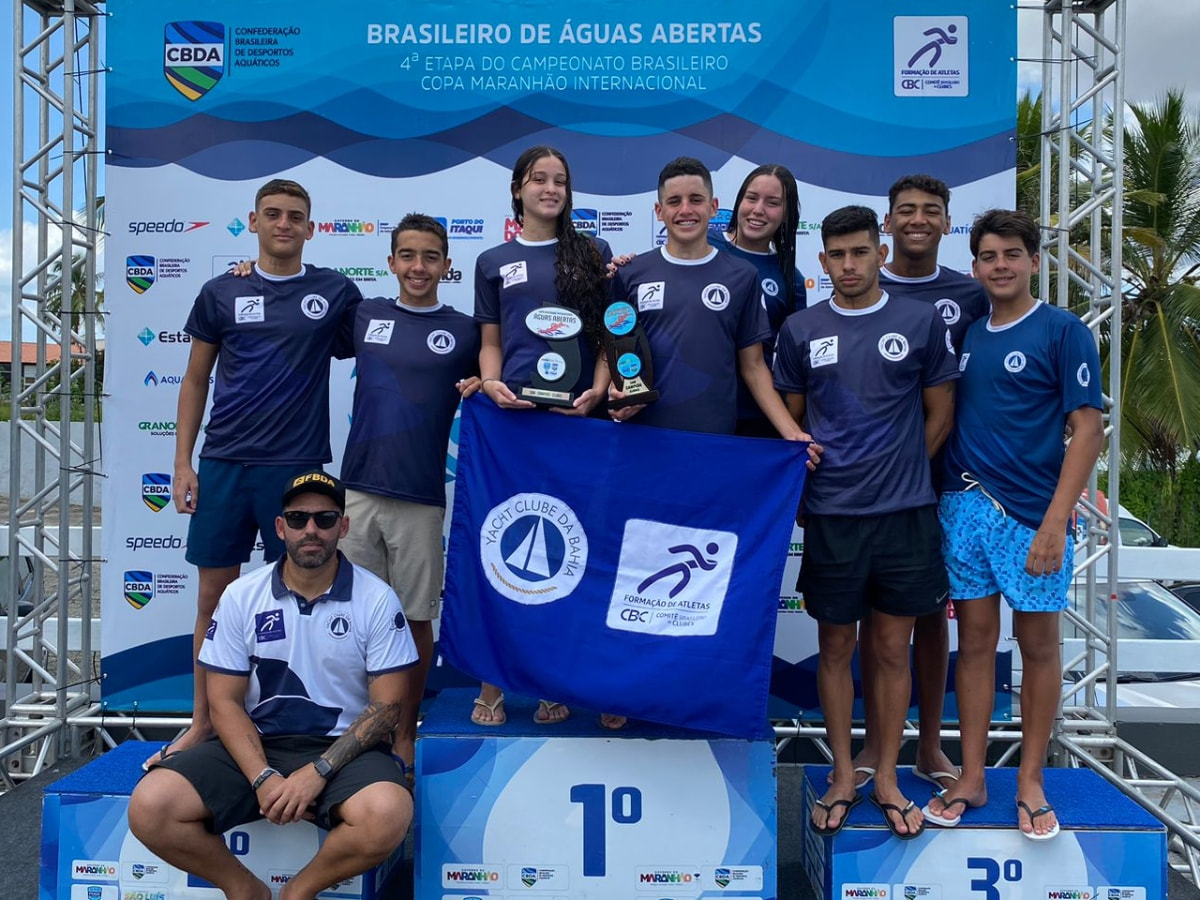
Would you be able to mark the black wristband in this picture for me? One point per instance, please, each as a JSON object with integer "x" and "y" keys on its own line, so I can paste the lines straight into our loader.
{"x": 263, "y": 776}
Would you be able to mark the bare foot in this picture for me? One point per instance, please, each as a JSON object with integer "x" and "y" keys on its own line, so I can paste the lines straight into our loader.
{"x": 937, "y": 762}
{"x": 612, "y": 721}
{"x": 549, "y": 712}
{"x": 190, "y": 738}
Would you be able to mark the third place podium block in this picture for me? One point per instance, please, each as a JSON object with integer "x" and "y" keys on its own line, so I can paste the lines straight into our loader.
{"x": 1109, "y": 847}
{"x": 572, "y": 810}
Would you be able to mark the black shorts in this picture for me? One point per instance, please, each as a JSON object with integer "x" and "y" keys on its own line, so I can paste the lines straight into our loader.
{"x": 227, "y": 793}
{"x": 891, "y": 563}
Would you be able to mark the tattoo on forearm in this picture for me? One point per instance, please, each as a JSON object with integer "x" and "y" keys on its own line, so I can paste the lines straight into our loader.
{"x": 372, "y": 726}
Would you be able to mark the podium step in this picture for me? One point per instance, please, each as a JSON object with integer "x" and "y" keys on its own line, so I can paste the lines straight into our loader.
{"x": 1109, "y": 847}
{"x": 89, "y": 854}
{"x": 573, "y": 810}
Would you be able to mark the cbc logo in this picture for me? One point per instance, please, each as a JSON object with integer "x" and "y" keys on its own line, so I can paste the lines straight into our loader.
{"x": 911, "y": 84}
{"x": 635, "y": 615}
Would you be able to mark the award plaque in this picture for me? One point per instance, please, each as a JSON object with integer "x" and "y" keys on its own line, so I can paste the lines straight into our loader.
{"x": 628, "y": 353}
{"x": 554, "y": 376}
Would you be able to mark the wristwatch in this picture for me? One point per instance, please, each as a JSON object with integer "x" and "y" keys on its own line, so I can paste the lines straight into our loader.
{"x": 324, "y": 767}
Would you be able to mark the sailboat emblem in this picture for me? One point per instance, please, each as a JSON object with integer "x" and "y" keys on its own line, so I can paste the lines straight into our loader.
{"x": 533, "y": 548}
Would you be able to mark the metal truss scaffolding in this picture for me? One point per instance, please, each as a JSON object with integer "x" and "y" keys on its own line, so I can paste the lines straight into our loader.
{"x": 48, "y": 668}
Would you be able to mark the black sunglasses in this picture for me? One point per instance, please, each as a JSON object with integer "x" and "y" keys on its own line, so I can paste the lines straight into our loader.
{"x": 297, "y": 519}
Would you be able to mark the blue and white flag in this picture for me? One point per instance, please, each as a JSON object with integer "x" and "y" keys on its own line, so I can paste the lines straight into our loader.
{"x": 619, "y": 567}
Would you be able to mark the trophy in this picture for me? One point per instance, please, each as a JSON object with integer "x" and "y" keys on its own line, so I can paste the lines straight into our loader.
{"x": 557, "y": 370}
{"x": 628, "y": 353}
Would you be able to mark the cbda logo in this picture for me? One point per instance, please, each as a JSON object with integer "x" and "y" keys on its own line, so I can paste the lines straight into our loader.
{"x": 586, "y": 221}
{"x": 194, "y": 56}
{"x": 139, "y": 272}
{"x": 156, "y": 490}
{"x": 139, "y": 588}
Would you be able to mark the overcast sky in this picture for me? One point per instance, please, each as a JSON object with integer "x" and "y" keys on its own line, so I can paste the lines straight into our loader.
{"x": 1161, "y": 52}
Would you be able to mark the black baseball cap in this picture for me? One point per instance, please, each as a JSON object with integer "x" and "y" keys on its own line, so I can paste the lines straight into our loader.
{"x": 315, "y": 482}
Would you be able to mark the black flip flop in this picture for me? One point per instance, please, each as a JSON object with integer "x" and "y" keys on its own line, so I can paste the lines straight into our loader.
{"x": 885, "y": 808}
{"x": 829, "y": 809}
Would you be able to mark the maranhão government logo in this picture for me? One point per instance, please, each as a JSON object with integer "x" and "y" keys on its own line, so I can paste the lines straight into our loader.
{"x": 533, "y": 549}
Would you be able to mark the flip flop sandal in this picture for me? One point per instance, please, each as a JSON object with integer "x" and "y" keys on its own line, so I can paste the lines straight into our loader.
{"x": 858, "y": 770}
{"x": 545, "y": 707}
{"x": 935, "y": 778}
{"x": 1033, "y": 814}
{"x": 886, "y": 808}
{"x": 941, "y": 819}
{"x": 829, "y": 810}
{"x": 490, "y": 707}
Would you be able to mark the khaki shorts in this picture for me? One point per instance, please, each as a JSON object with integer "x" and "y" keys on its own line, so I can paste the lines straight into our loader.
{"x": 401, "y": 542}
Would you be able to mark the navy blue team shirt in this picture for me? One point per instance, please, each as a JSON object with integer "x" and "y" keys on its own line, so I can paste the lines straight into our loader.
{"x": 862, "y": 373}
{"x": 271, "y": 395}
{"x": 513, "y": 279}
{"x": 959, "y": 298}
{"x": 697, "y": 315}
{"x": 407, "y": 363}
{"x": 1019, "y": 383}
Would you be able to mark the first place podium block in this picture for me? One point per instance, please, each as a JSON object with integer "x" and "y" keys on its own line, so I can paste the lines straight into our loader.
{"x": 88, "y": 852}
{"x": 1109, "y": 847}
{"x": 572, "y": 810}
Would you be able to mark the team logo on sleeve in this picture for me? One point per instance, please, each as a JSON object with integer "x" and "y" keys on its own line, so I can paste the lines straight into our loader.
{"x": 1015, "y": 361}
{"x": 533, "y": 549}
{"x": 893, "y": 346}
{"x": 770, "y": 287}
{"x": 1083, "y": 375}
{"x": 950, "y": 310}
{"x": 440, "y": 342}
{"x": 650, "y": 295}
{"x": 194, "y": 56}
{"x": 823, "y": 352}
{"x": 962, "y": 363}
{"x": 314, "y": 306}
{"x": 379, "y": 331}
{"x": 249, "y": 309}
{"x": 949, "y": 342}
{"x": 514, "y": 273}
{"x": 715, "y": 296}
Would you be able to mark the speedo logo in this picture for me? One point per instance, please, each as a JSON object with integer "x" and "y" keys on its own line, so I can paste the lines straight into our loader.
{"x": 168, "y": 226}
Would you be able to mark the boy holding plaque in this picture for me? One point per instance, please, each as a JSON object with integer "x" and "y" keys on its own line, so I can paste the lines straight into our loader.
{"x": 702, "y": 316}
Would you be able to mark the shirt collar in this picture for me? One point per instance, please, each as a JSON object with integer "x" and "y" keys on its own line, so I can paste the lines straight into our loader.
{"x": 340, "y": 590}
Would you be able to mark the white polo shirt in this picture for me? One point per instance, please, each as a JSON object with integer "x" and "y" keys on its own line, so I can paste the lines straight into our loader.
{"x": 307, "y": 663}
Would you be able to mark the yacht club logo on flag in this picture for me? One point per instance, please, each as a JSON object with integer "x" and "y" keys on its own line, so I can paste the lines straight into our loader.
{"x": 654, "y": 598}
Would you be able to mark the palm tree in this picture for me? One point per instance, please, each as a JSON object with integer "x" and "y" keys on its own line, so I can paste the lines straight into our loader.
{"x": 1029, "y": 152}
{"x": 1160, "y": 331}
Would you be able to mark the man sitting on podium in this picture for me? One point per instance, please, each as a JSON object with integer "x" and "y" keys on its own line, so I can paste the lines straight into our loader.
{"x": 307, "y": 663}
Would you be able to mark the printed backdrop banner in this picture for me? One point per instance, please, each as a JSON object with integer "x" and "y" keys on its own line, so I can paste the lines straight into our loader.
{"x": 387, "y": 107}
{"x": 651, "y": 594}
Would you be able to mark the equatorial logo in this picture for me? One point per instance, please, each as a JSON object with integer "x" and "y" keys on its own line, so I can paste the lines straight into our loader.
{"x": 194, "y": 56}
{"x": 146, "y": 336}
{"x": 314, "y": 306}
{"x": 139, "y": 273}
{"x": 1015, "y": 361}
{"x": 440, "y": 342}
{"x": 236, "y": 226}
{"x": 715, "y": 296}
{"x": 533, "y": 549}
{"x": 156, "y": 490}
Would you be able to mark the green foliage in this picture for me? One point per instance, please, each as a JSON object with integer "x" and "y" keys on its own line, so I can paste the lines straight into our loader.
{"x": 1169, "y": 503}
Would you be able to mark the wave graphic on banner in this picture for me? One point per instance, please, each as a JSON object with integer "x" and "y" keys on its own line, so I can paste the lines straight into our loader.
{"x": 231, "y": 150}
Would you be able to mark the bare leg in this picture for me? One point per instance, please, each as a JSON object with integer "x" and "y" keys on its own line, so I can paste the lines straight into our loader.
{"x": 835, "y": 685}
{"x": 374, "y": 822}
{"x": 405, "y": 736}
{"x": 868, "y": 756}
{"x": 168, "y": 816}
{"x": 931, "y": 660}
{"x": 212, "y": 584}
{"x": 978, "y": 633}
{"x": 888, "y": 696}
{"x": 1041, "y": 687}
